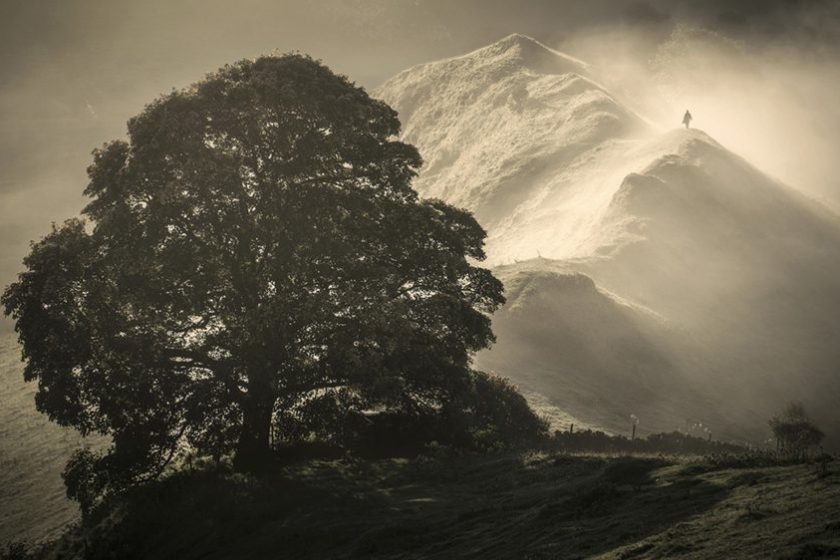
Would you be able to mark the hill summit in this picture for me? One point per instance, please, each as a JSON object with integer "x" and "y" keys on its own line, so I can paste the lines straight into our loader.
{"x": 713, "y": 284}
{"x": 514, "y": 132}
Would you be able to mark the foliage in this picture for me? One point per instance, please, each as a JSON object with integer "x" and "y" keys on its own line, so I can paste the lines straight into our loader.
{"x": 676, "y": 443}
{"x": 489, "y": 414}
{"x": 85, "y": 479}
{"x": 254, "y": 248}
{"x": 19, "y": 550}
{"x": 495, "y": 415}
{"x": 794, "y": 431}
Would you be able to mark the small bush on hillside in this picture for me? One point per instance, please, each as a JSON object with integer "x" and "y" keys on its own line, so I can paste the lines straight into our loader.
{"x": 794, "y": 431}
{"x": 495, "y": 416}
{"x": 488, "y": 414}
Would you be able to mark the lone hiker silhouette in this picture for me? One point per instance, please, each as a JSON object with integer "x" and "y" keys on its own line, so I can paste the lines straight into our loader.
{"x": 687, "y": 118}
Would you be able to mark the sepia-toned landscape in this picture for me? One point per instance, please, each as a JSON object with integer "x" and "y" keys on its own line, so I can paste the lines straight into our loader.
{"x": 420, "y": 279}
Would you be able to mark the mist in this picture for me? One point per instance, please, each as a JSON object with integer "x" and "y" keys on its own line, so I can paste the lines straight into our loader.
{"x": 759, "y": 76}
{"x": 570, "y": 323}
{"x": 772, "y": 103}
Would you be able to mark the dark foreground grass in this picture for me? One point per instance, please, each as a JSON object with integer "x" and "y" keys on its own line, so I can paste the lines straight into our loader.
{"x": 532, "y": 506}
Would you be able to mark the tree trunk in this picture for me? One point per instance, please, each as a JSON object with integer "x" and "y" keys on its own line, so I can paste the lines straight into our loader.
{"x": 253, "y": 452}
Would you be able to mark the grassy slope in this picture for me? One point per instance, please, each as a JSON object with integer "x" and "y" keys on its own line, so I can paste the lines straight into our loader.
{"x": 537, "y": 506}
{"x": 33, "y": 452}
{"x": 540, "y": 506}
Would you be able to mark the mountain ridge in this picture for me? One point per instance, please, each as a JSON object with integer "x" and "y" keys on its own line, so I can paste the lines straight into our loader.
{"x": 743, "y": 268}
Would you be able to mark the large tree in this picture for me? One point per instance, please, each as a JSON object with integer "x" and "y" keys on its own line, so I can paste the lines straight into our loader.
{"x": 254, "y": 246}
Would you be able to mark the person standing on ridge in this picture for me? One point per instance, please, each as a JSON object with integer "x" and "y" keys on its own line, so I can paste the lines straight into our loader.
{"x": 687, "y": 118}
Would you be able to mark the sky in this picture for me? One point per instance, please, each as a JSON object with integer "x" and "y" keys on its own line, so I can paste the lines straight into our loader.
{"x": 73, "y": 72}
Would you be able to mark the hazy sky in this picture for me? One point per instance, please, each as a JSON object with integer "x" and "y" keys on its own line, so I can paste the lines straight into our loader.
{"x": 73, "y": 72}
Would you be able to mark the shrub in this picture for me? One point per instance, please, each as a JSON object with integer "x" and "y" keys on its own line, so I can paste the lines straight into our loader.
{"x": 494, "y": 416}
{"x": 794, "y": 431}
{"x": 487, "y": 413}
{"x": 675, "y": 443}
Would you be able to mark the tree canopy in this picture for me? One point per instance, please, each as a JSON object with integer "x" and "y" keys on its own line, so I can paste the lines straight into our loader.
{"x": 255, "y": 246}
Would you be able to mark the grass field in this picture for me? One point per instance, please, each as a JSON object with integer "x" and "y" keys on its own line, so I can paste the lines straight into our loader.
{"x": 537, "y": 505}
{"x": 33, "y": 452}
{"x": 533, "y": 506}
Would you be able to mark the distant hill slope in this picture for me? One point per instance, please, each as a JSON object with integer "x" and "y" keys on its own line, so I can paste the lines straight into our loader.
{"x": 746, "y": 265}
{"x": 740, "y": 274}
{"x": 596, "y": 357}
{"x": 33, "y": 452}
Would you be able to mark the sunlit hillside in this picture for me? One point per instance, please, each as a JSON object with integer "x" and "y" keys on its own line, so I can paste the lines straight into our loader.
{"x": 541, "y": 506}
{"x": 649, "y": 272}
{"x": 33, "y": 452}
